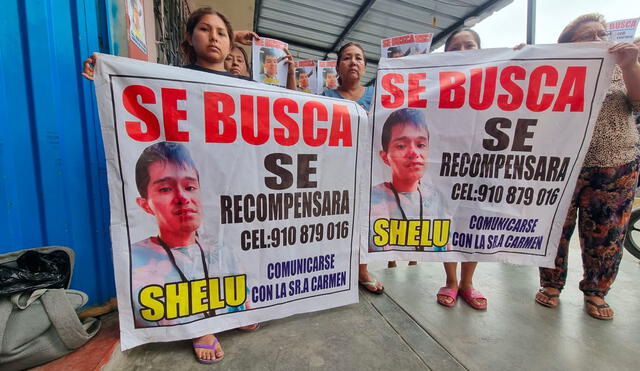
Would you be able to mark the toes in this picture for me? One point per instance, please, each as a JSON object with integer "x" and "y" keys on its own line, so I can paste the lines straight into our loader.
{"x": 540, "y": 297}
{"x": 203, "y": 354}
{"x": 479, "y": 301}
{"x": 445, "y": 299}
{"x": 219, "y": 353}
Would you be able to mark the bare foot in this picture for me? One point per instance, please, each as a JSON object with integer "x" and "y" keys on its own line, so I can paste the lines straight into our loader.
{"x": 548, "y": 297}
{"x": 364, "y": 277}
{"x": 598, "y": 308}
{"x": 253, "y": 327}
{"x": 478, "y": 302}
{"x": 206, "y": 354}
{"x": 448, "y": 300}
{"x": 391, "y": 264}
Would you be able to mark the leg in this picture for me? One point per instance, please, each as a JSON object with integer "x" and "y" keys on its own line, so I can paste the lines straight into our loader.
{"x": 466, "y": 283}
{"x": 603, "y": 224}
{"x": 552, "y": 280}
{"x": 207, "y": 349}
{"x": 466, "y": 274}
{"x": 452, "y": 284}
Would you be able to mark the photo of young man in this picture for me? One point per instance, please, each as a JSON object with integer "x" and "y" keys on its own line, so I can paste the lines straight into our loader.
{"x": 405, "y": 149}
{"x": 302, "y": 80}
{"x": 168, "y": 184}
{"x": 269, "y": 60}
{"x": 330, "y": 77}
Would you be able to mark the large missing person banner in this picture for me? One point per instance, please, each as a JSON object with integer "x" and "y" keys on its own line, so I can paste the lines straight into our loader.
{"x": 232, "y": 202}
{"x": 475, "y": 154}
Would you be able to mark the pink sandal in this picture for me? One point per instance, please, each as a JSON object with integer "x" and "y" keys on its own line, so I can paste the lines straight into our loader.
{"x": 469, "y": 295}
{"x": 451, "y": 293}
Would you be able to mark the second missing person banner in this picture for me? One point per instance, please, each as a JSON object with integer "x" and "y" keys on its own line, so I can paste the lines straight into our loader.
{"x": 475, "y": 154}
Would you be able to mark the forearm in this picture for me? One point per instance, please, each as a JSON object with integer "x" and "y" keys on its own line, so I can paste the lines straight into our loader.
{"x": 631, "y": 76}
{"x": 291, "y": 80}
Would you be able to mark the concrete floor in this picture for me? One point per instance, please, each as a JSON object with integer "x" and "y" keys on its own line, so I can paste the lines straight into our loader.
{"x": 406, "y": 329}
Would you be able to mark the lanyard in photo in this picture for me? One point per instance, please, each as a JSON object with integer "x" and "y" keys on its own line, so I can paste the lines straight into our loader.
{"x": 166, "y": 248}
{"x": 404, "y": 216}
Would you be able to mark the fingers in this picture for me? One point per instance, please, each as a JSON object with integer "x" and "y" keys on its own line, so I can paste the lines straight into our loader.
{"x": 88, "y": 66}
{"x": 254, "y": 35}
{"x": 519, "y": 46}
{"x": 288, "y": 59}
{"x": 245, "y": 37}
{"x": 622, "y": 46}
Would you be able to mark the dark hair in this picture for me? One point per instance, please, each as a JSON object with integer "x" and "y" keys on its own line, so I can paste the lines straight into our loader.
{"x": 188, "y": 53}
{"x": 341, "y": 51}
{"x": 402, "y": 116}
{"x": 473, "y": 33}
{"x": 327, "y": 71}
{"x": 174, "y": 153}
{"x": 266, "y": 52}
{"x": 396, "y": 50}
{"x": 393, "y": 50}
{"x": 567, "y": 34}
{"x": 300, "y": 70}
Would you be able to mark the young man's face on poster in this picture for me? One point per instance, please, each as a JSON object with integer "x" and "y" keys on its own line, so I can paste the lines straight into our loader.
{"x": 407, "y": 152}
{"x": 331, "y": 81}
{"x": 303, "y": 80}
{"x": 270, "y": 65}
{"x": 173, "y": 197}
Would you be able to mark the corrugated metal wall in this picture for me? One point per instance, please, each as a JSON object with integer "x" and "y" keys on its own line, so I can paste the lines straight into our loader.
{"x": 52, "y": 170}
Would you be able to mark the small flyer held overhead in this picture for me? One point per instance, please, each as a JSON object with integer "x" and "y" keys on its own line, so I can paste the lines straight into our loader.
{"x": 623, "y": 30}
{"x": 135, "y": 11}
{"x": 306, "y": 76}
{"x": 327, "y": 76}
{"x": 269, "y": 61}
{"x": 401, "y": 46}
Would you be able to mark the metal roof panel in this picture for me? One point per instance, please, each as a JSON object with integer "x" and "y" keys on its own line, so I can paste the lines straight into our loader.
{"x": 315, "y": 29}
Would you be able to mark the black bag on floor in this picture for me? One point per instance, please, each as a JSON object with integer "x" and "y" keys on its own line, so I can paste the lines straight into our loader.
{"x": 38, "y": 319}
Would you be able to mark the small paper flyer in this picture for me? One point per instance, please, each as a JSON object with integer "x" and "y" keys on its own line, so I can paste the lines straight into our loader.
{"x": 623, "y": 30}
{"x": 269, "y": 61}
{"x": 306, "y": 76}
{"x": 327, "y": 76}
{"x": 135, "y": 11}
{"x": 401, "y": 46}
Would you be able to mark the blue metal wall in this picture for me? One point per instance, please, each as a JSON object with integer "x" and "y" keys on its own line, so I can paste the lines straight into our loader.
{"x": 52, "y": 171}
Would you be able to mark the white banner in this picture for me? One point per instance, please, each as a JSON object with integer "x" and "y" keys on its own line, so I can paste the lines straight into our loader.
{"x": 232, "y": 202}
{"x": 476, "y": 153}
